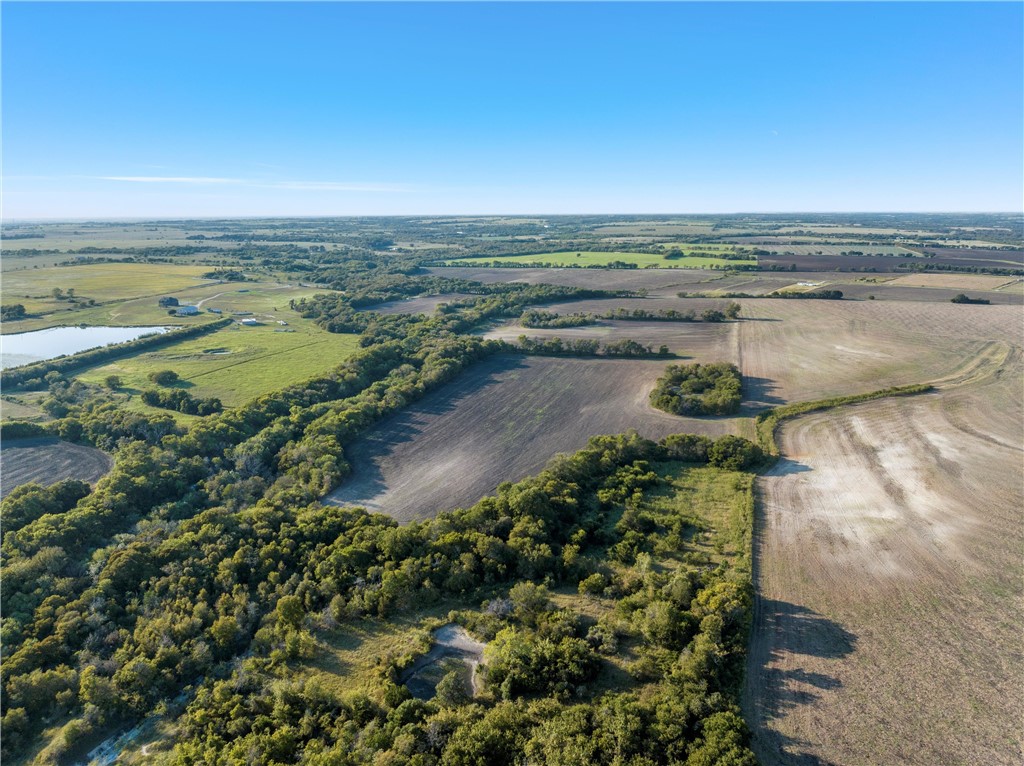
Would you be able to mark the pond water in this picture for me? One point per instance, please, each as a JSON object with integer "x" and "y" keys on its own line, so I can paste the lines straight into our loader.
{"x": 27, "y": 347}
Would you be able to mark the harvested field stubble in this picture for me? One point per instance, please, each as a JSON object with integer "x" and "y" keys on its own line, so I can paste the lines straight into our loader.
{"x": 888, "y": 569}
{"x": 424, "y": 304}
{"x": 808, "y": 350}
{"x": 500, "y": 421}
{"x": 665, "y": 282}
{"x": 702, "y": 341}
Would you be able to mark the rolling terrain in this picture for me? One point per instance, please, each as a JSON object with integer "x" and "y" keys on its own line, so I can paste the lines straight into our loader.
{"x": 888, "y": 571}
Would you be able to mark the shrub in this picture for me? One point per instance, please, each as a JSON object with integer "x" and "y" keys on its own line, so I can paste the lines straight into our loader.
{"x": 164, "y": 377}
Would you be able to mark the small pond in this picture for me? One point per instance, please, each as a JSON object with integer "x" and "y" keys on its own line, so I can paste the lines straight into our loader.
{"x": 27, "y": 347}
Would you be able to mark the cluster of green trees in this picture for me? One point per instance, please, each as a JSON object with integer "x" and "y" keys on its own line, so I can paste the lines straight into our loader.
{"x": 538, "y": 318}
{"x": 181, "y": 400}
{"x": 699, "y": 389}
{"x": 731, "y": 311}
{"x": 11, "y": 312}
{"x": 211, "y": 574}
{"x": 825, "y": 295}
{"x": 689, "y": 625}
{"x": 962, "y": 298}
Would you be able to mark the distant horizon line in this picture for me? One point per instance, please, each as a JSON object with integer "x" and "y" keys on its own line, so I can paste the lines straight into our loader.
{"x": 270, "y": 216}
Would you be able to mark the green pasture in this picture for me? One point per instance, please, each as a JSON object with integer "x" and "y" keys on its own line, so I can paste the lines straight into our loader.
{"x": 235, "y": 364}
{"x": 587, "y": 258}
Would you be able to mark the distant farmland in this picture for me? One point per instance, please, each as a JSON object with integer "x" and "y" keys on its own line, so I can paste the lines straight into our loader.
{"x": 584, "y": 259}
{"x": 500, "y": 421}
{"x": 101, "y": 282}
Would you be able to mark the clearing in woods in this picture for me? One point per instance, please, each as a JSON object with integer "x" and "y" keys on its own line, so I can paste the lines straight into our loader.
{"x": 46, "y": 461}
{"x": 500, "y": 421}
{"x": 888, "y": 571}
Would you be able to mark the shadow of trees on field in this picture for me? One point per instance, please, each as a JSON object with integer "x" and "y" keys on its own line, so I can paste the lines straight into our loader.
{"x": 785, "y": 668}
{"x": 786, "y": 631}
{"x": 758, "y": 394}
{"x": 786, "y": 467}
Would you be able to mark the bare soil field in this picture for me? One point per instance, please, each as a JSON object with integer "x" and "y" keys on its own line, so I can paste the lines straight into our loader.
{"x": 979, "y": 256}
{"x": 879, "y": 263}
{"x": 425, "y": 304}
{"x": 889, "y": 575}
{"x": 665, "y": 282}
{"x": 47, "y": 461}
{"x": 697, "y": 341}
{"x": 953, "y": 280}
{"x": 501, "y": 421}
{"x": 808, "y": 349}
{"x": 997, "y": 259}
{"x": 892, "y": 291}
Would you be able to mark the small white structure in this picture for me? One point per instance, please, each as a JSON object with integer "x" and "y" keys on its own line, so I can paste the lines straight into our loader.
{"x": 186, "y": 311}
{"x": 249, "y": 322}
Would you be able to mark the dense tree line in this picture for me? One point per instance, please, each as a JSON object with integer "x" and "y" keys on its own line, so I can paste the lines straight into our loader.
{"x": 625, "y": 348}
{"x": 699, "y": 389}
{"x": 536, "y": 318}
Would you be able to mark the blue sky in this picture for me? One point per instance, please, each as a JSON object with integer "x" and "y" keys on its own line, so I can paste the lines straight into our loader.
{"x": 199, "y": 109}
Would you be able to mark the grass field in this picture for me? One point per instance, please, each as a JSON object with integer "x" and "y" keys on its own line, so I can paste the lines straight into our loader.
{"x": 47, "y": 461}
{"x": 237, "y": 363}
{"x": 102, "y": 282}
{"x": 500, "y": 421}
{"x": 269, "y": 299}
{"x": 890, "y": 580}
{"x": 586, "y": 258}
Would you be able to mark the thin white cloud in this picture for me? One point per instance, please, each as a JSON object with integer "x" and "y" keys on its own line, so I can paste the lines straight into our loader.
{"x": 172, "y": 179}
{"x": 353, "y": 186}
{"x": 337, "y": 186}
